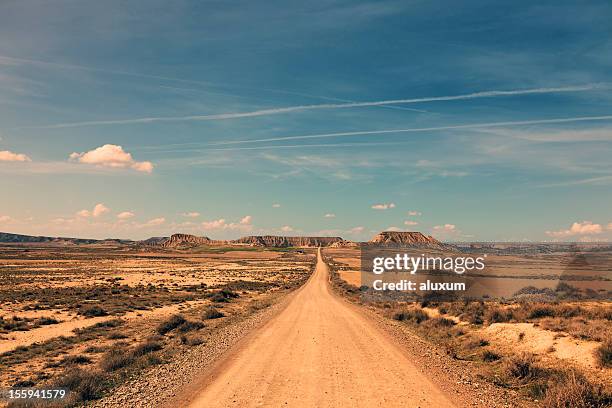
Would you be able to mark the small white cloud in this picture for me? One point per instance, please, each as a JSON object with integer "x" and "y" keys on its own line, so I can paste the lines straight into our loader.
{"x": 99, "y": 209}
{"x": 610, "y": 226}
{"x": 155, "y": 222}
{"x": 276, "y": 205}
{"x": 410, "y": 223}
{"x": 445, "y": 228}
{"x": 413, "y": 213}
{"x": 383, "y": 206}
{"x": 5, "y": 218}
{"x": 215, "y": 224}
{"x": 356, "y": 230}
{"x": 83, "y": 213}
{"x": 244, "y": 224}
{"x": 125, "y": 215}
{"x": 330, "y": 215}
{"x": 578, "y": 228}
{"x": 111, "y": 156}
{"x": 192, "y": 214}
{"x": 394, "y": 229}
{"x": 6, "y": 155}
{"x": 286, "y": 228}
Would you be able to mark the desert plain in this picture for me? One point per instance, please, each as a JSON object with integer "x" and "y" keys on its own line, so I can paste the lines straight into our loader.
{"x": 186, "y": 322}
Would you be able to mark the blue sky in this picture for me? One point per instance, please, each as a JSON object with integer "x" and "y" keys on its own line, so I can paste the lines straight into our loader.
{"x": 134, "y": 119}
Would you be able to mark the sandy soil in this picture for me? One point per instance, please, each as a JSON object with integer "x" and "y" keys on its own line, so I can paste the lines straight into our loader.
{"x": 65, "y": 328}
{"x": 543, "y": 342}
{"x": 319, "y": 351}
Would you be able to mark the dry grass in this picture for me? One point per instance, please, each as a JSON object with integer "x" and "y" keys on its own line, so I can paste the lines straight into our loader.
{"x": 212, "y": 312}
{"x": 604, "y": 354}
{"x": 411, "y": 315}
{"x": 575, "y": 391}
{"x": 172, "y": 323}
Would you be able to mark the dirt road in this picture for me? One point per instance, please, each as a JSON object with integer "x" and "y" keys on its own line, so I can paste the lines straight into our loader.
{"x": 318, "y": 352}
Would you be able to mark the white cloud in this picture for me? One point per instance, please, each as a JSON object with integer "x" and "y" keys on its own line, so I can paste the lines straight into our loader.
{"x": 610, "y": 226}
{"x": 192, "y": 214}
{"x": 286, "y": 228}
{"x": 276, "y": 205}
{"x": 111, "y": 156}
{"x": 215, "y": 224}
{"x": 5, "y": 218}
{"x": 394, "y": 229}
{"x": 6, "y": 155}
{"x": 410, "y": 222}
{"x": 330, "y": 215}
{"x": 383, "y": 206}
{"x": 578, "y": 228}
{"x": 244, "y": 224}
{"x": 446, "y": 228}
{"x": 83, "y": 213}
{"x": 356, "y": 230}
{"x": 155, "y": 222}
{"x": 125, "y": 215}
{"x": 99, "y": 209}
{"x": 413, "y": 213}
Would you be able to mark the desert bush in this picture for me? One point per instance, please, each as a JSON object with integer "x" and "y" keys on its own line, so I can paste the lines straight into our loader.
{"x": 475, "y": 342}
{"x": 212, "y": 313}
{"x": 497, "y": 314}
{"x": 413, "y": 315}
{"x": 575, "y": 391}
{"x": 191, "y": 340}
{"x": 92, "y": 311}
{"x": 84, "y": 385}
{"x": 538, "y": 311}
{"x": 45, "y": 321}
{"x": 223, "y": 295}
{"x": 75, "y": 360}
{"x": 14, "y": 324}
{"x": 108, "y": 323}
{"x": 172, "y": 323}
{"x": 604, "y": 354}
{"x": 470, "y": 311}
{"x": 439, "y": 322}
{"x": 521, "y": 367}
{"x": 190, "y": 325}
{"x": 490, "y": 356}
{"x": 116, "y": 359}
{"x": 117, "y": 336}
{"x": 147, "y": 347}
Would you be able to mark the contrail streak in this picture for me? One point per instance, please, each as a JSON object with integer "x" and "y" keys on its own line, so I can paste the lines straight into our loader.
{"x": 180, "y": 80}
{"x": 277, "y": 111}
{"x": 285, "y": 147}
{"x": 423, "y": 129}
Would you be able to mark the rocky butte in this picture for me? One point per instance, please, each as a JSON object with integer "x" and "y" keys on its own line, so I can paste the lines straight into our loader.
{"x": 283, "y": 242}
{"x": 412, "y": 238}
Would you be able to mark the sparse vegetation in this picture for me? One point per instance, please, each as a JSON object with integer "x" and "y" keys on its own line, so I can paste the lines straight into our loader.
{"x": 83, "y": 385}
{"x": 28, "y": 292}
{"x": 575, "y": 391}
{"x": 92, "y": 311}
{"x": 604, "y": 354}
{"x": 489, "y": 356}
{"x": 170, "y": 324}
{"x": 414, "y": 315}
{"x": 212, "y": 312}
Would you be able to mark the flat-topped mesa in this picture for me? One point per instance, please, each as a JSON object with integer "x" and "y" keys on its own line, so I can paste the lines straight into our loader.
{"x": 405, "y": 238}
{"x": 284, "y": 242}
{"x": 178, "y": 240}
